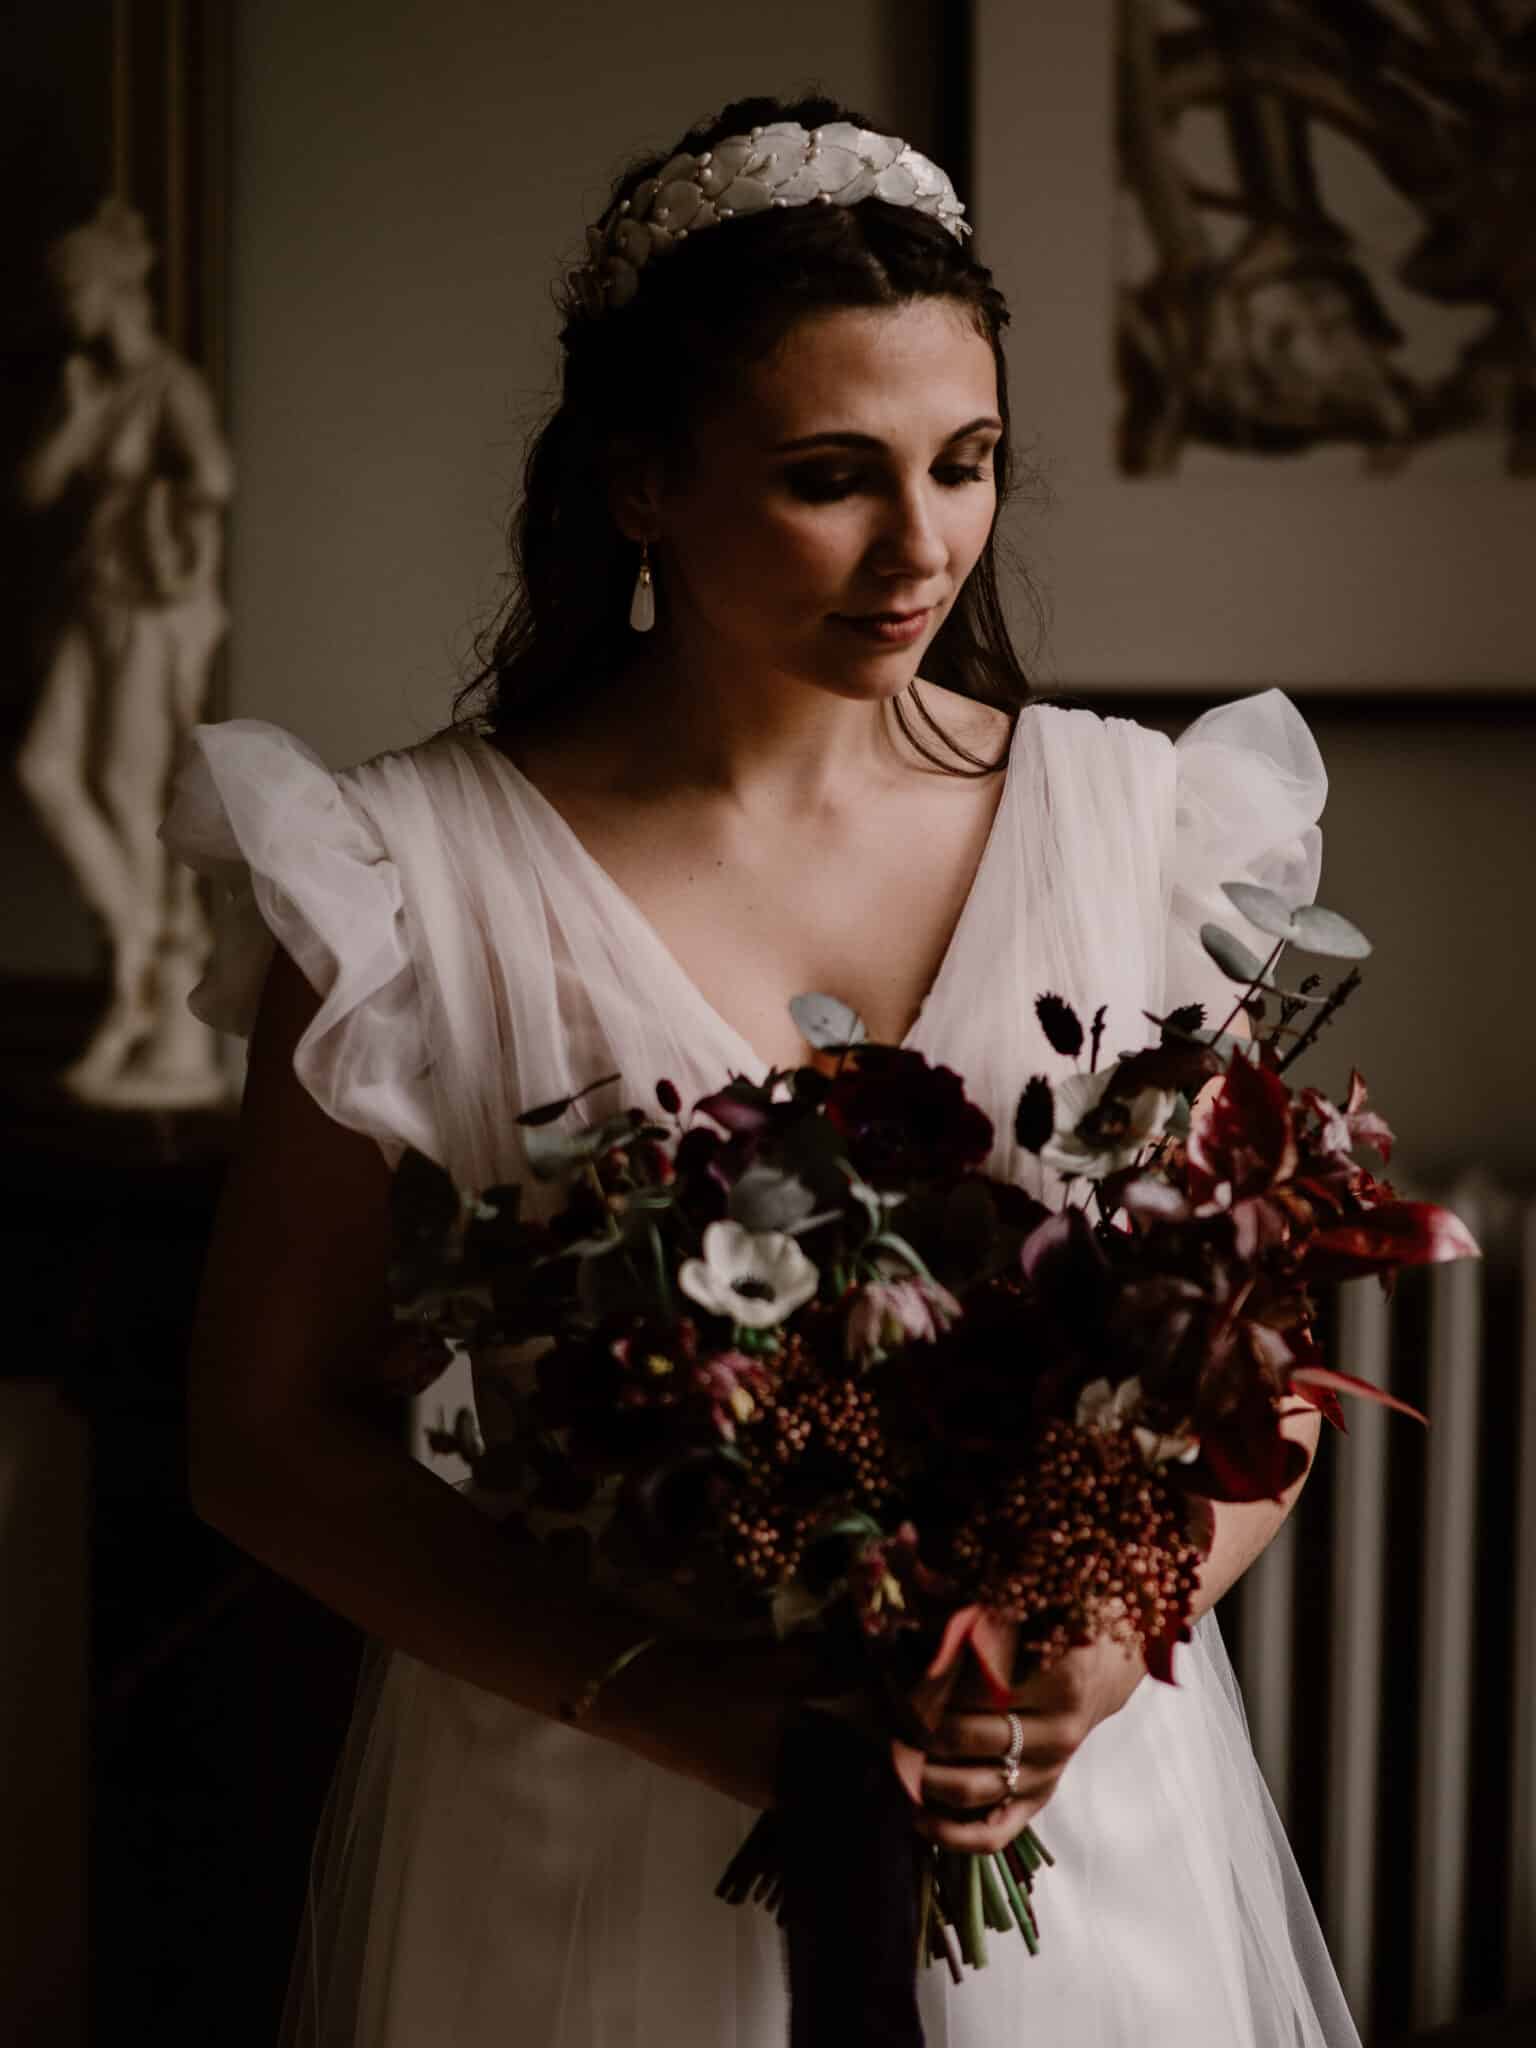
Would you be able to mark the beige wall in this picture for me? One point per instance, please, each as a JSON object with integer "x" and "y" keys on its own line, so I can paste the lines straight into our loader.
{"x": 1429, "y": 842}
{"x": 409, "y": 179}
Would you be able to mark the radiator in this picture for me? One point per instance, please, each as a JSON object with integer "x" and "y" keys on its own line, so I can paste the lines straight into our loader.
{"x": 1386, "y": 1641}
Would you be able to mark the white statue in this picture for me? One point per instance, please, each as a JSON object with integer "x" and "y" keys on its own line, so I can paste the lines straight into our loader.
{"x": 134, "y": 444}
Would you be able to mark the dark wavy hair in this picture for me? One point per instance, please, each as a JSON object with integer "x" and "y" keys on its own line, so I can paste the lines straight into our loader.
{"x": 721, "y": 301}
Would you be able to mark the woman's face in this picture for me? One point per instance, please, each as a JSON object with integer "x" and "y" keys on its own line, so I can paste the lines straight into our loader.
{"x": 767, "y": 548}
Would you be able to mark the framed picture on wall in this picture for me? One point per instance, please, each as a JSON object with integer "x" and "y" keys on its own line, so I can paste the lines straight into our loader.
{"x": 1272, "y": 275}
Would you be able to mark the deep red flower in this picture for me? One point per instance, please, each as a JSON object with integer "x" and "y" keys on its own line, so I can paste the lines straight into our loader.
{"x": 904, "y": 1119}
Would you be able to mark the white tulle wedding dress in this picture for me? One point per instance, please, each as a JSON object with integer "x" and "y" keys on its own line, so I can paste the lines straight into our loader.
{"x": 484, "y": 1877}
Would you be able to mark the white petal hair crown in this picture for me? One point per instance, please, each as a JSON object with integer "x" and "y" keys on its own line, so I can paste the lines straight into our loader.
{"x": 782, "y": 164}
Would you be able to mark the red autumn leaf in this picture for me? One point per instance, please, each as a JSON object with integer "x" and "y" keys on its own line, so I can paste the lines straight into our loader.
{"x": 957, "y": 1631}
{"x": 1324, "y": 1376}
{"x": 991, "y": 1646}
{"x": 1324, "y": 1399}
{"x": 1245, "y": 1458}
{"x": 1395, "y": 1234}
{"x": 1365, "y": 1124}
{"x": 908, "y": 1763}
{"x": 988, "y": 1640}
{"x": 1240, "y": 1134}
{"x": 1340, "y": 1130}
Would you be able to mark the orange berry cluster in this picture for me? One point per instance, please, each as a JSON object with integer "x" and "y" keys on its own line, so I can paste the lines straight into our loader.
{"x": 816, "y": 1447}
{"x": 1088, "y": 1543}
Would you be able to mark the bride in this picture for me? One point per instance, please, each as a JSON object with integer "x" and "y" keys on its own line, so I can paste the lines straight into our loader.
{"x": 752, "y": 725}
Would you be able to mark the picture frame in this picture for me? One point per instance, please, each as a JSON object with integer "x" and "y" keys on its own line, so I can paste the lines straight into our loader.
{"x": 1312, "y": 573}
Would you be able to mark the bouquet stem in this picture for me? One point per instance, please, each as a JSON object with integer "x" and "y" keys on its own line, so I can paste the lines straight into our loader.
{"x": 960, "y": 1897}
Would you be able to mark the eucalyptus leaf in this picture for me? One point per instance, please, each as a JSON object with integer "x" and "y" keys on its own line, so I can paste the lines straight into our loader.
{"x": 887, "y": 1240}
{"x": 551, "y": 1112}
{"x": 1231, "y": 955}
{"x": 1324, "y": 931}
{"x": 826, "y": 1023}
{"x": 764, "y": 1198}
{"x": 592, "y": 1247}
{"x": 1262, "y": 907}
{"x": 854, "y": 1523}
{"x": 876, "y": 1206}
{"x": 794, "y": 1606}
{"x": 550, "y": 1152}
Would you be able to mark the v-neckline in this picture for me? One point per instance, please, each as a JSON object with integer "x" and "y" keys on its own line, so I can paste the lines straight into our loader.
{"x": 651, "y": 935}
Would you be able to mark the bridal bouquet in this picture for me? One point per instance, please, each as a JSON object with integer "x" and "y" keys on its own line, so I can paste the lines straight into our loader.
{"x": 789, "y": 1357}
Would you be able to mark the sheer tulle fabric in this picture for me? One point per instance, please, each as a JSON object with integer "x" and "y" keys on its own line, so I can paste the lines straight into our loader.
{"x": 481, "y": 1872}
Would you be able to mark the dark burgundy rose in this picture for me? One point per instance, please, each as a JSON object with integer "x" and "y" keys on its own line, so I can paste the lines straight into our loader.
{"x": 904, "y": 1119}
{"x": 977, "y": 1386}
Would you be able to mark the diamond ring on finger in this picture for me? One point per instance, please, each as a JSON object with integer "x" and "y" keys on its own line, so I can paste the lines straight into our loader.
{"x": 1008, "y": 1764}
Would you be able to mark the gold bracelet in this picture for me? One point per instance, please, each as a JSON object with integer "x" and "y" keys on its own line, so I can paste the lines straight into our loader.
{"x": 577, "y": 1710}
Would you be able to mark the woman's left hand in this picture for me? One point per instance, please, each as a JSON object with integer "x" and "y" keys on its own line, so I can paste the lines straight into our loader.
{"x": 965, "y": 1803}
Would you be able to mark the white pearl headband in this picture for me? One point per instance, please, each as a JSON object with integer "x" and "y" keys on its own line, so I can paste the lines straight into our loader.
{"x": 780, "y": 165}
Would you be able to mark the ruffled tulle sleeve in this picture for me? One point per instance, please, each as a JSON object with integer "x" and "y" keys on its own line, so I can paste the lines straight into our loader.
{"x": 295, "y": 859}
{"x": 1249, "y": 788}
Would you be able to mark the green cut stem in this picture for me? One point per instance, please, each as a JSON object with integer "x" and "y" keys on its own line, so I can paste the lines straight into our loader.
{"x": 973, "y": 1928}
{"x": 999, "y": 1915}
{"x": 1017, "y": 1903}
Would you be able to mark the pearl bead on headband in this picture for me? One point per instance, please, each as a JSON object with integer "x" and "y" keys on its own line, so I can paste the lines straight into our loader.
{"x": 780, "y": 165}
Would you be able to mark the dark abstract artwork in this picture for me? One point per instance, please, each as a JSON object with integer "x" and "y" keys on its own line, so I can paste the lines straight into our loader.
{"x": 1326, "y": 235}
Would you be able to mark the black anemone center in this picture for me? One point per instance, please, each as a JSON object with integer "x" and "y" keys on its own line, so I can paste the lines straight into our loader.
{"x": 1109, "y": 1119}
{"x": 752, "y": 1290}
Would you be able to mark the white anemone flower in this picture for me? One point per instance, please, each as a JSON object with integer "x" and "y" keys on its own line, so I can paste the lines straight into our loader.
{"x": 1090, "y": 1153}
{"x": 1105, "y": 1407}
{"x": 756, "y": 1277}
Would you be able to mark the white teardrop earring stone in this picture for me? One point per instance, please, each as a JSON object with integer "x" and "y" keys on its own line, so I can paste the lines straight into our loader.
{"x": 642, "y": 607}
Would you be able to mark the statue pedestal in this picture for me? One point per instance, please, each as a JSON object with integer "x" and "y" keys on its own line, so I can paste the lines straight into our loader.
{"x": 162, "y": 1059}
